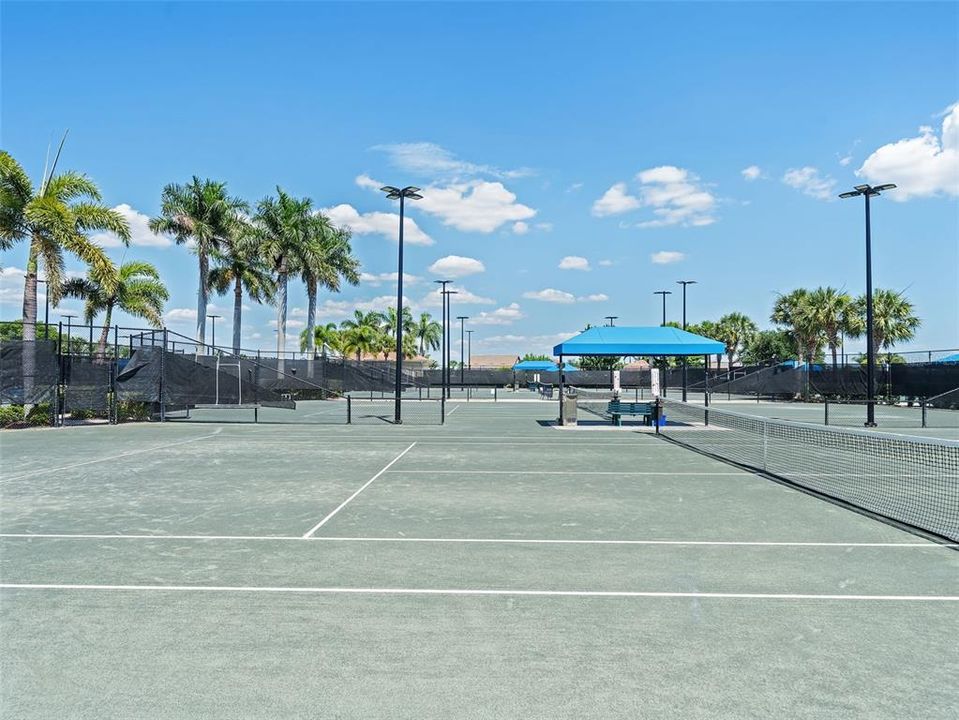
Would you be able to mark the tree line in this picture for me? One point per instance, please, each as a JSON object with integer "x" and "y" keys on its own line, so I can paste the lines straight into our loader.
{"x": 374, "y": 333}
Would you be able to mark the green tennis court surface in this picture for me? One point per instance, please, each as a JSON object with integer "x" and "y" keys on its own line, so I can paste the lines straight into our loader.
{"x": 493, "y": 567}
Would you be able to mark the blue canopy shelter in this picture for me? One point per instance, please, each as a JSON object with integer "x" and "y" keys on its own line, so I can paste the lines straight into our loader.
{"x": 954, "y": 358}
{"x": 661, "y": 341}
{"x": 541, "y": 366}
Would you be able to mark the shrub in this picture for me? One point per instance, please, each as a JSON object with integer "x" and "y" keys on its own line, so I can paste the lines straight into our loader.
{"x": 39, "y": 415}
{"x": 10, "y": 414}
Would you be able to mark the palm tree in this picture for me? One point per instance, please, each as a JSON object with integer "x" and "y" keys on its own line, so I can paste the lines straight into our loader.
{"x": 203, "y": 214}
{"x": 327, "y": 337}
{"x": 329, "y": 261}
{"x": 360, "y": 339}
{"x": 707, "y": 328}
{"x": 792, "y": 312}
{"x": 371, "y": 319}
{"x": 893, "y": 318}
{"x": 134, "y": 288}
{"x": 240, "y": 266}
{"x": 428, "y": 333}
{"x": 390, "y": 324}
{"x": 284, "y": 226}
{"x": 735, "y": 330}
{"x": 52, "y": 219}
{"x": 831, "y": 313}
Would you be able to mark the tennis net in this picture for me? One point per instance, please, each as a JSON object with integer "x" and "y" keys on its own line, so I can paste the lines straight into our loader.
{"x": 911, "y": 481}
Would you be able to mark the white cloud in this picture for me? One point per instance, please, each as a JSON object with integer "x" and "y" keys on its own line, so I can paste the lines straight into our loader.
{"x": 811, "y": 183}
{"x": 342, "y": 309}
{"x": 140, "y": 233}
{"x": 614, "y": 201}
{"x": 520, "y": 228}
{"x": 674, "y": 195}
{"x": 545, "y": 226}
{"x": 551, "y": 295}
{"x": 923, "y": 166}
{"x": 290, "y": 324}
{"x": 596, "y": 297}
{"x": 574, "y": 187}
{"x": 751, "y": 173}
{"x": 676, "y": 198}
{"x": 456, "y": 266}
{"x": 430, "y": 159}
{"x": 665, "y": 257}
{"x": 471, "y": 205}
{"x": 474, "y": 206}
{"x": 375, "y": 280}
{"x": 380, "y": 223}
{"x": 179, "y": 315}
{"x": 501, "y": 316}
{"x": 574, "y": 262}
{"x": 845, "y": 160}
{"x": 606, "y": 263}
{"x": 462, "y": 297}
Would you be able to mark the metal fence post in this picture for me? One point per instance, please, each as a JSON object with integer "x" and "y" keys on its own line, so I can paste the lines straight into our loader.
{"x": 923, "y": 406}
{"x": 162, "y": 373}
{"x": 58, "y": 403}
{"x": 442, "y": 408}
{"x": 826, "y": 412}
{"x": 114, "y": 371}
{"x": 349, "y": 410}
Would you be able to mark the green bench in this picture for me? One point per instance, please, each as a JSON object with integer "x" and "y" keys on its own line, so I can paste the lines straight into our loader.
{"x": 617, "y": 408}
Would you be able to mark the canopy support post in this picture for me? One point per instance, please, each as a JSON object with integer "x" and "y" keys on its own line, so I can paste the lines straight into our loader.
{"x": 562, "y": 415}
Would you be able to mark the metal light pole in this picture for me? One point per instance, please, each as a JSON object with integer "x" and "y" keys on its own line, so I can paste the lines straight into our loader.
{"x": 393, "y": 193}
{"x": 469, "y": 349}
{"x": 449, "y": 343}
{"x": 684, "y": 283}
{"x": 664, "y": 293}
{"x": 443, "y": 284}
{"x": 868, "y": 191}
{"x": 462, "y": 319}
{"x": 611, "y": 318}
{"x": 213, "y": 318}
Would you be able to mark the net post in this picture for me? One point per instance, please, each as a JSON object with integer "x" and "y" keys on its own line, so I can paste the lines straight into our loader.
{"x": 706, "y": 388}
{"x": 562, "y": 418}
{"x": 922, "y": 405}
{"x": 114, "y": 371}
{"x": 495, "y": 394}
{"x": 349, "y": 410}
{"x": 442, "y": 408}
{"x": 58, "y": 405}
{"x": 826, "y": 411}
{"x": 657, "y": 413}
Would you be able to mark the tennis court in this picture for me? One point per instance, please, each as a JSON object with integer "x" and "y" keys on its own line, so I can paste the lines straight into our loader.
{"x": 492, "y": 567}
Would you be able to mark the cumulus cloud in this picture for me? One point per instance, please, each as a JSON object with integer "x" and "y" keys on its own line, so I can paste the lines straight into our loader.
{"x": 574, "y": 262}
{"x": 140, "y": 233}
{"x": 595, "y": 297}
{"x": 545, "y": 226}
{"x": 179, "y": 315}
{"x": 474, "y": 206}
{"x": 923, "y": 166}
{"x": 342, "y": 309}
{"x": 462, "y": 297}
{"x": 375, "y": 280}
{"x": 379, "y": 223}
{"x": 606, "y": 263}
{"x": 430, "y": 159}
{"x": 665, "y": 257}
{"x": 614, "y": 201}
{"x": 751, "y": 173}
{"x": 808, "y": 180}
{"x": 551, "y": 295}
{"x": 456, "y": 266}
{"x": 520, "y": 228}
{"x": 469, "y": 205}
{"x": 845, "y": 160}
{"x": 674, "y": 195}
{"x": 501, "y": 316}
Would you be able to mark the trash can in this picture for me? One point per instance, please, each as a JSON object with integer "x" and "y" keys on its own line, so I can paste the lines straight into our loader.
{"x": 569, "y": 409}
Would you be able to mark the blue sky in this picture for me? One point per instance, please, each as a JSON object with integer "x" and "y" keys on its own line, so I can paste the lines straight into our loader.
{"x": 643, "y": 143}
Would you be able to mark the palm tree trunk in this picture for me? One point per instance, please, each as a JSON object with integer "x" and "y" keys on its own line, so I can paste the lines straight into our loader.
{"x": 835, "y": 359}
{"x": 310, "y": 326}
{"x": 29, "y": 332}
{"x": 237, "y": 314}
{"x": 201, "y": 301}
{"x": 105, "y": 334}
{"x": 281, "y": 320}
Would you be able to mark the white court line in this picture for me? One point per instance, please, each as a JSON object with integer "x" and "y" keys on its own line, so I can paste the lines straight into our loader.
{"x": 365, "y": 485}
{"x": 569, "y": 472}
{"x": 478, "y": 592}
{"x": 44, "y": 471}
{"x": 488, "y": 541}
{"x": 454, "y": 409}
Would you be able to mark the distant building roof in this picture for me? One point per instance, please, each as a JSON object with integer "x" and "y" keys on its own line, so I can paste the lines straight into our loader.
{"x": 492, "y": 362}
